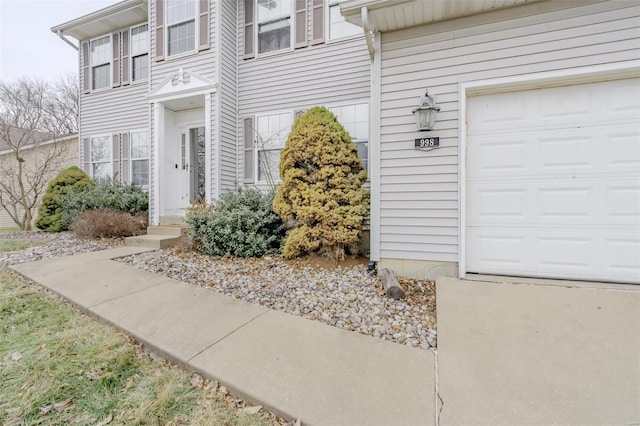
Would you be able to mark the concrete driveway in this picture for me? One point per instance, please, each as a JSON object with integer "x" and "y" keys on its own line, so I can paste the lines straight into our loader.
{"x": 538, "y": 352}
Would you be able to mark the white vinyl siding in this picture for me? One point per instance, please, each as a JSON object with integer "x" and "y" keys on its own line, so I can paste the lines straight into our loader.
{"x": 419, "y": 190}
{"x": 325, "y": 74}
{"x": 139, "y": 51}
{"x": 100, "y": 57}
{"x": 229, "y": 173}
{"x": 181, "y": 25}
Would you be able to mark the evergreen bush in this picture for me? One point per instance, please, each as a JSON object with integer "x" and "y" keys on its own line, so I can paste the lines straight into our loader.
{"x": 51, "y": 210}
{"x": 241, "y": 223}
{"x": 113, "y": 196}
{"x": 321, "y": 197}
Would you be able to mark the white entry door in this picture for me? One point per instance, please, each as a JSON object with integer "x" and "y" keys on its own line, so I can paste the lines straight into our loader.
{"x": 176, "y": 175}
{"x": 553, "y": 182}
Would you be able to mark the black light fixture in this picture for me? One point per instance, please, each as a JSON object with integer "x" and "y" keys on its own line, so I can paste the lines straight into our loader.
{"x": 426, "y": 112}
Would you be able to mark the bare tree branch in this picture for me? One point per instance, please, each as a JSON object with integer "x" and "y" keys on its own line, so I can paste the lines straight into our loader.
{"x": 34, "y": 116}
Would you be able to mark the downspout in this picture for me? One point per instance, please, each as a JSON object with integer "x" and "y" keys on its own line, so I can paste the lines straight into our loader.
{"x": 66, "y": 40}
{"x": 367, "y": 31}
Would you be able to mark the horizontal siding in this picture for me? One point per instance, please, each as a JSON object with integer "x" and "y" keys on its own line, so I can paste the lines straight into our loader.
{"x": 114, "y": 110}
{"x": 419, "y": 190}
{"x": 202, "y": 63}
{"x": 324, "y": 74}
{"x": 228, "y": 96}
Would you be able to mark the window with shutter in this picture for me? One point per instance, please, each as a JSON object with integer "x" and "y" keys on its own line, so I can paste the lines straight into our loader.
{"x": 180, "y": 21}
{"x": 159, "y": 40}
{"x": 139, "y": 52}
{"x": 100, "y": 167}
{"x": 249, "y": 149}
{"x": 317, "y": 22}
{"x": 126, "y": 57}
{"x": 355, "y": 120}
{"x": 86, "y": 85}
{"x": 274, "y": 25}
{"x": 272, "y": 131}
{"x": 115, "y": 150}
{"x": 116, "y": 59}
{"x": 140, "y": 150}
{"x": 301, "y": 23}
{"x": 248, "y": 29}
{"x": 203, "y": 36}
{"x": 100, "y": 57}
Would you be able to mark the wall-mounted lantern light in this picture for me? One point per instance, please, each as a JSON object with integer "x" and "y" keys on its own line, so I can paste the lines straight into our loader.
{"x": 426, "y": 112}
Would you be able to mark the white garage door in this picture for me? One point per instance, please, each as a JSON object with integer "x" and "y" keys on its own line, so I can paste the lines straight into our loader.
{"x": 553, "y": 182}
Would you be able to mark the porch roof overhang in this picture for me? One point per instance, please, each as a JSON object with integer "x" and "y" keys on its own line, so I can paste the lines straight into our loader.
{"x": 104, "y": 21}
{"x": 389, "y": 15}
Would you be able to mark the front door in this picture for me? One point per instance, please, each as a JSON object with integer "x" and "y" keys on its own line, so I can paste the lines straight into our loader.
{"x": 185, "y": 171}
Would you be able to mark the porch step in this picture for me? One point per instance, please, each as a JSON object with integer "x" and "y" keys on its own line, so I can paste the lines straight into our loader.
{"x": 168, "y": 230}
{"x": 159, "y": 237}
{"x": 172, "y": 220}
{"x": 152, "y": 241}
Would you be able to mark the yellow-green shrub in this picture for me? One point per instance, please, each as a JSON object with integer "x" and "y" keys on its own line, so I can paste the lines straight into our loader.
{"x": 321, "y": 197}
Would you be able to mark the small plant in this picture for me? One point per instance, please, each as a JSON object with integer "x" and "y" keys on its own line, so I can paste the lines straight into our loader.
{"x": 51, "y": 209}
{"x": 108, "y": 223}
{"x": 242, "y": 223}
{"x": 114, "y": 195}
{"x": 321, "y": 198}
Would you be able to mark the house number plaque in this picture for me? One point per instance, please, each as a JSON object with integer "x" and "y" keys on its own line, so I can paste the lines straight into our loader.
{"x": 432, "y": 142}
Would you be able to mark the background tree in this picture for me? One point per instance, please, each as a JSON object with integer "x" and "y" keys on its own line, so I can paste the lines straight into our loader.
{"x": 321, "y": 197}
{"x": 34, "y": 116}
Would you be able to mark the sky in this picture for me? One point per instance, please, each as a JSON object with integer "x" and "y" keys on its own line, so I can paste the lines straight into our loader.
{"x": 28, "y": 48}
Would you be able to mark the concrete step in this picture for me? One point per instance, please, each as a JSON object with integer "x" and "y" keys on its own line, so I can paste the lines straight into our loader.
{"x": 168, "y": 230}
{"x": 153, "y": 241}
{"x": 172, "y": 220}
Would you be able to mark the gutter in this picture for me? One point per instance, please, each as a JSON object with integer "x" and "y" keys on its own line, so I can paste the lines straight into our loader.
{"x": 66, "y": 40}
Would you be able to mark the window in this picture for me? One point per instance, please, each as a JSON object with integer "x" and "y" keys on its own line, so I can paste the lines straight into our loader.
{"x": 101, "y": 159}
{"x": 140, "y": 53}
{"x": 355, "y": 120}
{"x": 274, "y": 25}
{"x": 338, "y": 25}
{"x": 181, "y": 26}
{"x": 140, "y": 150}
{"x": 101, "y": 62}
{"x": 272, "y": 132}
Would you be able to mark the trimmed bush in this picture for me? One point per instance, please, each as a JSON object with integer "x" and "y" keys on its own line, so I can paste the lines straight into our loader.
{"x": 108, "y": 223}
{"x": 51, "y": 209}
{"x": 242, "y": 223}
{"x": 321, "y": 197}
{"x": 114, "y": 196}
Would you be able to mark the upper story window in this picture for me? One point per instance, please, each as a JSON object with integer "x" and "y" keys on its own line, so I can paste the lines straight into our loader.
{"x": 338, "y": 25}
{"x": 274, "y": 25}
{"x": 181, "y": 26}
{"x": 139, "y": 52}
{"x": 101, "y": 63}
{"x": 355, "y": 120}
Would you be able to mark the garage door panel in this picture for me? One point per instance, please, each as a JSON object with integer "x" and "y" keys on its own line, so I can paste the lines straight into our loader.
{"x": 557, "y": 194}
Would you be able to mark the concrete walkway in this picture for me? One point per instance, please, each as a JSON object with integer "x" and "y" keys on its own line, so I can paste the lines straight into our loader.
{"x": 294, "y": 367}
{"x": 525, "y": 352}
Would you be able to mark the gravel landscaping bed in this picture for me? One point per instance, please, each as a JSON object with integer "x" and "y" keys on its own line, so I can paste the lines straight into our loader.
{"x": 50, "y": 245}
{"x": 342, "y": 296}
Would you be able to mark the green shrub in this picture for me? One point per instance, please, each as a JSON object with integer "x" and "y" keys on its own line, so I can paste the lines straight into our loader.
{"x": 321, "y": 197}
{"x": 114, "y": 195}
{"x": 51, "y": 209}
{"x": 108, "y": 223}
{"x": 241, "y": 223}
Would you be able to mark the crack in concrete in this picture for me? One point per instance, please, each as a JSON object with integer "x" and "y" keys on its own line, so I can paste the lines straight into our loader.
{"x": 438, "y": 411}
